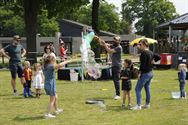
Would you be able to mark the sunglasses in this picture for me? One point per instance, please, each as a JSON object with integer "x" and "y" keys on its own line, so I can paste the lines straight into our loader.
{"x": 116, "y": 39}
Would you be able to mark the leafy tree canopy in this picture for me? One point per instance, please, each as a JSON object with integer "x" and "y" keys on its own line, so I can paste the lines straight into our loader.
{"x": 47, "y": 27}
{"x": 109, "y": 19}
{"x": 11, "y": 23}
{"x": 149, "y": 14}
{"x": 12, "y": 16}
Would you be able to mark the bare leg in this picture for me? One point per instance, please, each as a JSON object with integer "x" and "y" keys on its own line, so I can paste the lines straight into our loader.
{"x": 55, "y": 102}
{"x": 37, "y": 93}
{"x": 13, "y": 83}
{"x": 129, "y": 97}
{"x": 51, "y": 104}
{"x": 22, "y": 80}
{"x": 124, "y": 96}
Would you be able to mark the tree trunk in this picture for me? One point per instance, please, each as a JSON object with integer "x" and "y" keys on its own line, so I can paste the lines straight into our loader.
{"x": 147, "y": 31}
{"x": 95, "y": 11}
{"x": 30, "y": 16}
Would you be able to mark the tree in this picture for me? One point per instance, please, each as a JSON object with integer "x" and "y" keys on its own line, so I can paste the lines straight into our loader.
{"x": 149, "y": 14}
{"x": 11, "y": 22}
{"x": 125, "y": 27}
{"x": 95, "y": 22}
{"x": 108, "y": 18}
{"x": 95, "y": 17}
{"x": 32, "y": 9}
{"x": 47, "y": 27}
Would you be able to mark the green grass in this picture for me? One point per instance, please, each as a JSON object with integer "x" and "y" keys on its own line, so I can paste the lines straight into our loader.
{"x": 72, "y": 96}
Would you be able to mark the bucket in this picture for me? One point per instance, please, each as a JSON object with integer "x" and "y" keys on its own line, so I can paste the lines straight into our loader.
{"x": 176, "y": 95}
{"x": 74, "y": 76}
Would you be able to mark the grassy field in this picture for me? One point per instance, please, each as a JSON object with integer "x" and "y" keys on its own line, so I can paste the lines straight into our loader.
{"x": 72, "y": 95}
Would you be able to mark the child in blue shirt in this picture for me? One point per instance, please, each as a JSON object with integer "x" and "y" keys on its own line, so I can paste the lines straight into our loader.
{"x": 182, "y": 79}
{"x": 50, "y": 84}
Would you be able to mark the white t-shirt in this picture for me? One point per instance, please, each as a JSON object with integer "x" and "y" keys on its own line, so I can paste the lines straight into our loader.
{"x": 47, "y": 54}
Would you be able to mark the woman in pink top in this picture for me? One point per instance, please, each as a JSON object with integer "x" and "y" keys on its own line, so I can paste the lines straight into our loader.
{"x": 62, "y": 50}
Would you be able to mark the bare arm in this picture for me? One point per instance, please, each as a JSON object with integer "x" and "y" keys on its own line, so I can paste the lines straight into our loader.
{"x": 124, "y": 77}
{"x": 42, "y": 77}
{"x": 2, "y": 51}
{"x": 23, "y": 53}
{"x": 107, "y": 48}
{"x": 65, "y": 51}
{"x": 57, "y": 66}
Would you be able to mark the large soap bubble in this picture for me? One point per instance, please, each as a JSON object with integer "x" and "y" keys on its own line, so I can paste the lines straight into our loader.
{"x": 89, "y": 64}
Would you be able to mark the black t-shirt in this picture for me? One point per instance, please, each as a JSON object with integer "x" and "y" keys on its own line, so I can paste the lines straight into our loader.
{"x": 126, "y": 73}
{"x": 146, "y": 58}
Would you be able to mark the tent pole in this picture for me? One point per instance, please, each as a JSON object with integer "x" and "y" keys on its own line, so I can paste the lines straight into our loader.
{"x": 170, "y": 34}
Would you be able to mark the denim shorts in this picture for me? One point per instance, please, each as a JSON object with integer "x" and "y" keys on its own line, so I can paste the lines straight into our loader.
{"x": 50, "y": 89}
{"x": 16, "y": 68}
{"x": 127, "y": 86}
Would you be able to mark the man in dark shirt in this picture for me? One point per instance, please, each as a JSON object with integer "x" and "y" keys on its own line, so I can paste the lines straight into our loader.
{"x": 115, "y": 50}
{"x": 14, "y": 52}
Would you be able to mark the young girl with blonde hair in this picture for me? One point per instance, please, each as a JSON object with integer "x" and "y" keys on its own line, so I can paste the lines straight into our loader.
{"x": 38, "y": 79}
{"x": 50, "y": 84}
{"x": 28, "y": 78}
{"x": 182, "y": 79}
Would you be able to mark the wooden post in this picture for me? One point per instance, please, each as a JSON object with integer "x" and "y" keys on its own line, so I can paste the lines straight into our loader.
{"x": 170, "y": 34}
{"x": 3, "y": 59}
{"x": 177, "y": 41}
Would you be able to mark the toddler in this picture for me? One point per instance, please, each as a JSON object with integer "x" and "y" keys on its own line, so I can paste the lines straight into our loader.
{"x": 38, "y": 79}
{"x": 182, "y": 79}
{"x": 28, "y": 78}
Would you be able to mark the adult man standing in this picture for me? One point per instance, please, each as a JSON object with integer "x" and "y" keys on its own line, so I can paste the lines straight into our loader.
{"x": 14, "y": 52}
{"x": 115, "y": 50}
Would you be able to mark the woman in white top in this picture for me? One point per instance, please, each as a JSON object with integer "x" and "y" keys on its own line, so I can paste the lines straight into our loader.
{"x": 48, "y": 51}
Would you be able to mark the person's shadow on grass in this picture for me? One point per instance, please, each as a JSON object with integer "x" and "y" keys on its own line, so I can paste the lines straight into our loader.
{"x": 115, "y": 108}
{"x": 100, "y": 98}
{"x": 28, "y": 118}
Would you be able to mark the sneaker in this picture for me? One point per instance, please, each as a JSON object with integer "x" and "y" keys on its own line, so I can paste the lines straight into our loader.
{"x": 129, "y": 106}
{"x": 31, "y": 96}
{"x": 49, "y": 115}
{"x": 146, "y": 106}
{"x": 123, "y": 106}
{"x": 137, "y": 107}
{"x": 15, "y": 94}
{"x": 117, "y": 97}
{"x": 58, "y": 111}
{"x": 183, "y": 98}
